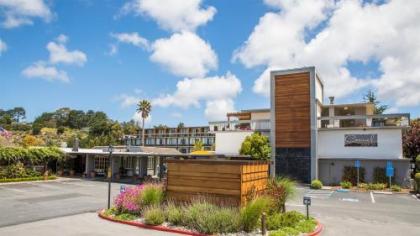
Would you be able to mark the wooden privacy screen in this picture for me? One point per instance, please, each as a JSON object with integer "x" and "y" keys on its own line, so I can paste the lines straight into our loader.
{"x": 222, "y": 181}
{"x": 292, "y": 110}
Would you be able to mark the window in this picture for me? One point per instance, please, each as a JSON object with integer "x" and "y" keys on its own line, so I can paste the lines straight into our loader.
{"x": 100, "y": 164}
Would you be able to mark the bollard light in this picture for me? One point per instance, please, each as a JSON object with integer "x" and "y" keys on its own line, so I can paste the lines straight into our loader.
{"x": 307, "y": 203}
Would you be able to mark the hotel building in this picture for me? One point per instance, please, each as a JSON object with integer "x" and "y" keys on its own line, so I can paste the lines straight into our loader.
{"x": 313, "y": 140}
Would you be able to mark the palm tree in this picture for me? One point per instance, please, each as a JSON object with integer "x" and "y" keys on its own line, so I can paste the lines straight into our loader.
{"x": 144, "y": 107}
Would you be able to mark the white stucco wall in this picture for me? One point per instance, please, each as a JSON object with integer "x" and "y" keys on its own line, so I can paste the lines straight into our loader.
{"x": 331, "y": 144}
{"x": 229, "y": 142}
{"x": 260, "y": 115}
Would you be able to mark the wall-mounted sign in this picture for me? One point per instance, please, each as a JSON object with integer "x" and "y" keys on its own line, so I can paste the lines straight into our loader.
{"x": 360, "y": 140}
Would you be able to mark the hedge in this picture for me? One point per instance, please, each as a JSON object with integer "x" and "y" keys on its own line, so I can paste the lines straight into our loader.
{"x": 34, "y": 155}
{"x": 52, "y": 177}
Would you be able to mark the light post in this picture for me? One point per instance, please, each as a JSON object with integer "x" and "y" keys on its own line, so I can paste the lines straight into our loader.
{"x": 110, "y": 150}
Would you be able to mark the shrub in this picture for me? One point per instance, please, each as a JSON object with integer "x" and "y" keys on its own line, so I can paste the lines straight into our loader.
{"x": 417, "y": 178}
{"x": 363, "y": 186}
{"x": 5, "y": 180}
{"x": 251, "y": 213}
{"x": 395, "y": 188}
{"x": 154, "y": 215}
{"x": 152, "y": 194}
{"x": 316, "y": 184}
{"x": 345, "y": 184}
{"x": 286, "y": 231}
{"x": 174, "y": 214}
{"x": 350, "y": 174}
{"x": 128, "y": 201}
{"x": 281, "y": 189}
{"x": 16, "y": 170}
{"x": 125, "y": 216}
{"x": 288, "y": 219}
{"x": 376, "y": 186}
{"x": 208, "y": 218}
{"x": 306, "y": 226}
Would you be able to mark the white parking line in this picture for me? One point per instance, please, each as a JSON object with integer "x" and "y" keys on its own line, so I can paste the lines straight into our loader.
{"x": 350, "y": 199}
{"x": 371, "y": 197}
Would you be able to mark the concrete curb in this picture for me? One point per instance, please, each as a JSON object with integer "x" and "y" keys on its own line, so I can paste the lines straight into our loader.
{"x": 316, "y": 232}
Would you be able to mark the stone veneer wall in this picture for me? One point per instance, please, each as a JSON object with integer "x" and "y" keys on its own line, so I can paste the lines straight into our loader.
{"x": 294, "y": 163}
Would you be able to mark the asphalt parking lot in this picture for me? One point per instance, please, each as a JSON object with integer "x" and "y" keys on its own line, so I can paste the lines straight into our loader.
{"x": 69, "y": 205}
{"x": 352, "y": 213}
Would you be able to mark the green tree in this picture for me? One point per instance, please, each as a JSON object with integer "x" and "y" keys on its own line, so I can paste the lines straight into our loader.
{"x": 18, "y": 113}
{"x": 370, "y": 97}
{"x": 181, "y": 125}
{"x": 144, "y": 108}
{"x": 257, "y": 146}
{"x": 198, "y": 146}
{"x": 411, "y": 140}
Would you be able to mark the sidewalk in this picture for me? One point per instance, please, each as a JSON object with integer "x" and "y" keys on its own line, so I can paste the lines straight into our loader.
{"x": 81, "y": 224}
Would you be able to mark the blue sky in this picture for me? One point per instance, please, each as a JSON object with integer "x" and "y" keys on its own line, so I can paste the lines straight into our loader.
{"x": 234, "y": 41}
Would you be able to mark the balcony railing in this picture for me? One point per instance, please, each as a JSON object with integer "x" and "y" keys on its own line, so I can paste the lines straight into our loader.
{"x": 255, "y": 125}
{"x": 384, "y": 120}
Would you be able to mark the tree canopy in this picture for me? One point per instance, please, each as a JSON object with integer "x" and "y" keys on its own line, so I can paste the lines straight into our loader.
{"x": 257, "y": 146}
{"x": 370, "y": 96}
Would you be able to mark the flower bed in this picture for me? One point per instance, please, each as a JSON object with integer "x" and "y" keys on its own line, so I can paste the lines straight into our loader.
{"x": 145, "y": 206}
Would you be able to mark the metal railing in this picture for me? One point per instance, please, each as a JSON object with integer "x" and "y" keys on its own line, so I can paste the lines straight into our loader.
{"x": 383, "y": 120}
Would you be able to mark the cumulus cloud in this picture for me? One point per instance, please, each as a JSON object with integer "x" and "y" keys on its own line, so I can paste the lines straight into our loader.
{"x": 15, "y": 13}
{"x": 138, "y": 119}
{"x": 131, "y": 38}
{"x": 173, "y": 15}
{"x": 127, "y": 100}
{"x": 3, "y": 46}
{"x": 184, "y": 54}
{"x": 333, "y": 34}
{"x": 43, "y": 71}
{"x": 217, "y": 92}
{"x": 60, "y": 54}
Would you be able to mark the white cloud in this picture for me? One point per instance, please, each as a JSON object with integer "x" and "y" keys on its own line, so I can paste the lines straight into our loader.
{"x": 349, "y": 31}
{"x": 138, "y": 119}
{"x": 42, "y": 70}
{"x": 127, "y": 100}
{"x": 131, "y": 38}
{"x": 21, "y": 12}
{"x": 173, "y": 15}
{"x": 3, "y": 46}
{"x": 184, "y": 54}
{"x": 218, "y": 93}
{"x": 345, "y": 31}
{"x": 60, "y": 54}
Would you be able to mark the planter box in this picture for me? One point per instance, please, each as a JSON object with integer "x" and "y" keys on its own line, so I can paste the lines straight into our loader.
{"x": 222, "y": 181}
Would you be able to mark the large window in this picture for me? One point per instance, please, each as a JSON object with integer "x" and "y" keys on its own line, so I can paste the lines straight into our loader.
{"x": 101, "y": 164}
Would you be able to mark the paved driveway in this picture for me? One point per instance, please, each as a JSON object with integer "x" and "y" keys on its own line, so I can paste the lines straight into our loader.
{"x": 27, "y": 202}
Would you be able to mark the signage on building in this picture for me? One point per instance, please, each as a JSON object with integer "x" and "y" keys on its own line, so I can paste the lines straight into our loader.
{"x": 360, "y": 140}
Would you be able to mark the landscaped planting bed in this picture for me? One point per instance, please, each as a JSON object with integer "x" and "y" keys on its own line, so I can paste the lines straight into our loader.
{"x": 146, "y": 206}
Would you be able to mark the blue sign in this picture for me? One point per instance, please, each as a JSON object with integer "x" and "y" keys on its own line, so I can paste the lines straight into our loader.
{"x": 122, "y": 188}
{"x": 357, "y": 163}
{"x": 390, "y": 171}
{"x": 389, "y": 164}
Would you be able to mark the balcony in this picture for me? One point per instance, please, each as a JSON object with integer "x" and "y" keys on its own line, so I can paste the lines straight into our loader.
{"x": 362, "y": 121}
{"x": 255, "y": 125}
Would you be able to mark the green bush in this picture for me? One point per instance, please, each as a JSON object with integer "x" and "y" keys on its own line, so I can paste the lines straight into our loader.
{"x": 208, "y": 218}
{"x": 417, "y": 179}
{"x": 376, "y": 186}
{"x": 125, "y": 216}
{"x": 252, "y": 211}
{"x": 306, "y": 226}
{"x": 286, "y": 231}
{"x": 395, "y": 188}
{"x": 281, "y": 189}
{"x": 345, "y": 184}
{"x": 6, "y": 180}
{"x": 174, "y": 214}
{"x": 152, "y": 194}
{"x": 280, "y": 220}
{"x": 363, "y": 186}
{"x": 154, "y": 215}
{"x": 257, "y": 146}
{"x": 350, "y": 174}
{"x": 316, "y": 184}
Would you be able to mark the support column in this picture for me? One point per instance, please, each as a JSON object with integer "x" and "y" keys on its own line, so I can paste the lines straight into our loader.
{"x": 143, "y": 166}
{"x": 89, "y": 165}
